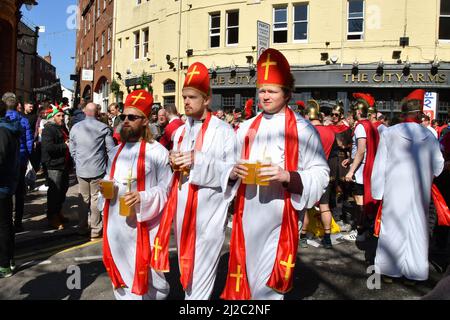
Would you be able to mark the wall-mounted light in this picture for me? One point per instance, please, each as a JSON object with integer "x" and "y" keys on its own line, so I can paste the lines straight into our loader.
{"x": 407, "y": 67}
{"x": 435, "y": 66}
{"x": 323, "y": 56}
{"x": 355, "y": 68}
{"x": 190, "y": 52}
{"x": 380, "y": 67}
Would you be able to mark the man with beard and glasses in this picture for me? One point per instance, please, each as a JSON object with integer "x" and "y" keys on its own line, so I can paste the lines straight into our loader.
{"x": 203, "y": 150}
{"x": 140, "y": 172}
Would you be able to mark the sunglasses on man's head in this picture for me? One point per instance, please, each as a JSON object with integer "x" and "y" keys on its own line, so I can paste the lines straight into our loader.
{"x": 130, "y": 117}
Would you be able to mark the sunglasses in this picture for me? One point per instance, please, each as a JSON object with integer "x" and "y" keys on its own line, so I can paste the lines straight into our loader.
{"x": 335, "y": 114}
{"x": 130, "y": 117}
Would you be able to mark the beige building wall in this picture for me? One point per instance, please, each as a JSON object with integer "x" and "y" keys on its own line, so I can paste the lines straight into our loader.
{"x": 384, "y": 23}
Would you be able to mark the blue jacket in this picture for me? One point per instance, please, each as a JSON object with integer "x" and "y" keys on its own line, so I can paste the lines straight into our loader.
{"x": 10, "y": 132}
{"x": 26, "y": 138}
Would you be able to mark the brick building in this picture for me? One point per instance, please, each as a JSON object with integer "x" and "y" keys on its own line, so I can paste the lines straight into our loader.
{"x": 94, "y": 50}
{"x": 9, "y": 20}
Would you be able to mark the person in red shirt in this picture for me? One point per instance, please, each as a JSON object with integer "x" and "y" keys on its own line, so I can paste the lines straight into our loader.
{"x": 174, "y": 123}
{"x": 328, "y": 139}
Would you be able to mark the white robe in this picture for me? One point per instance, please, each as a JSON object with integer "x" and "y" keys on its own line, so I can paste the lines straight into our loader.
{"x": 215, "y": 159}
{"x": 407, "y": 159}
{"x": 122, "y": 231}
{"x": 263, "y": 209}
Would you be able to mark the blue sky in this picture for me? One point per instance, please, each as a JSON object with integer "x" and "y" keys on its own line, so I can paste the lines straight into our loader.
{"x": 58, "y": 17}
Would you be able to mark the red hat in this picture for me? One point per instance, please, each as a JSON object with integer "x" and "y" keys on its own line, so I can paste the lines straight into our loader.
{"x": 418, "y": 94}
{"x": 141, "y": 100}
{"x": 248, "y": 111}
{"x": 365, "y": 97}
{"x": 197, "y": 78}
{"x": 273, "y": 69}
{"x": 300, "y": 104}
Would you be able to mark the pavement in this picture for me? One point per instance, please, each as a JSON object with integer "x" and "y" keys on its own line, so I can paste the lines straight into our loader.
{"x": 48, "y": 259}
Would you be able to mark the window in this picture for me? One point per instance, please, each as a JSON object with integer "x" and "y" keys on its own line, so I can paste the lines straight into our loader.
{"x": 444, "y": 20}
{"x": 228, "y": 100}
{"x": 355, "y": 20}
{"x": 104, "y": 4}
{"x": 85, "y": 25}
{"x": 145, "y": 43}
{"x": 300, "y": 22}
{"x": 169, "y": 86}
{"x": 98, "y": 9}
{"x": 232, "y": 27}
{"x": 214, "y": 30}
{"x": 109, "y": 38}
{"x": 103, "y": 44}
{"x": 92, "y": 55}
{"x": 280, "y": 25}
{"x": 96, "y": 50}
{"x": 169, "y": 100}
{"x": 87, "y": 58}
{"x": 136, "y": 45}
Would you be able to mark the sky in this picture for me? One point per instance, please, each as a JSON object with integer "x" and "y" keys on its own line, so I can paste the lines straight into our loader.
{"x": 59, "y": 38}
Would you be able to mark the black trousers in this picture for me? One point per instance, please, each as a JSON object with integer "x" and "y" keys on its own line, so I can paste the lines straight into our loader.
{"x": 7, "y": 235}
{"x": 19, "y": 196}
{"x": 58, "y": 184}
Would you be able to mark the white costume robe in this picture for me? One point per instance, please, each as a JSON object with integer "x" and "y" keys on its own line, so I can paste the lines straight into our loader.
{"x": 263, "y": 209}
{"x": 207, "y": 172}
{"x": 122, "y": 231}
{"x": 407, "y": 159}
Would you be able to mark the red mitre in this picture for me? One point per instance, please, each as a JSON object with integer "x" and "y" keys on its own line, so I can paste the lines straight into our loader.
{"x": 366, "y": 97}
{"x": 273, "y": 69}
{"x": 197, "y": 77}
{"x": 141, "y": 100}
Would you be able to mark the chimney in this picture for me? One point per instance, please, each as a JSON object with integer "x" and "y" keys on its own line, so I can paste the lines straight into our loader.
{"x": 48, "y": 58}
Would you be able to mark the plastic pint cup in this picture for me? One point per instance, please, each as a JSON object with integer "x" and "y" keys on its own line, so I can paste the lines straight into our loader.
{"x": 259, "y": 178}
{"x": 124, "y": 209}
{"x": 108, "y": 189}
{"x": 251, "y": 176}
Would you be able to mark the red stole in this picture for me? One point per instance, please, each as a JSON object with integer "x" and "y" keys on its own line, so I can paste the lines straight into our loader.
{"x": 143, "y": 253}
{"x": 160, "y": 260}
{"x": 281, "y": 279}
{"x": 372, "y": 137}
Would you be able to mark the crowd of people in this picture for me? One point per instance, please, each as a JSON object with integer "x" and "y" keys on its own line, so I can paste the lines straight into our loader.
{"x": 142, "y": 169}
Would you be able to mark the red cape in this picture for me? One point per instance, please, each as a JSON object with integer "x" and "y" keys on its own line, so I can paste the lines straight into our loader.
{"x": 339, "y": 128}
{"x": 327, "y": 136}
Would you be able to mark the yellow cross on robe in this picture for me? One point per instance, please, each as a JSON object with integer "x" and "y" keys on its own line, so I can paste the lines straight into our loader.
{"x": 238, "y": 275}
{"x": 289, "y": 265}
{"x": 267, "y": 64}
{"x": 156, "y": 248}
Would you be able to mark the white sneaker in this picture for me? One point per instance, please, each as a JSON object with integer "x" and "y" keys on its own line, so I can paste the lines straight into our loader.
{"x": 43, "y": 188}
{"x": 345, "y": 227}
{"x": 351, "y": 236}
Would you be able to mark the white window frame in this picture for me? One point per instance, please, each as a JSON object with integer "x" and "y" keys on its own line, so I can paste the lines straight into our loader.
{"x": 109, "y": 38}
{"x": 294, "y": 22}
{"x": 137, "y": 45}
{"x": 442, "y": 16}
{"x": 96, "y": 50}
{"x": 348, "y": 20}
{"x": 145, "y": 45}
{"x": 232, "y": 27}
{"x": 98, "y": 9}
{"x": 104, "y": 4}
{"x": 284, "y": 6}
{"x": 103, "y": 44}
{"x": 211, "y": 29}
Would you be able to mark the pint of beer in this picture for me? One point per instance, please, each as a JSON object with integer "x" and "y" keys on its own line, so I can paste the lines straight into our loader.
{"x": 124, "y": 210}
{"x": 108, "y": 189}
{"x": 261, "y": 164}
{"x": 251, "y": 177}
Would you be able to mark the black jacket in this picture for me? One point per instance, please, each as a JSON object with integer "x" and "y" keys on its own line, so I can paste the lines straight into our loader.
{"x": 54, "y": 150}
{"x": 10, "y": 132}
